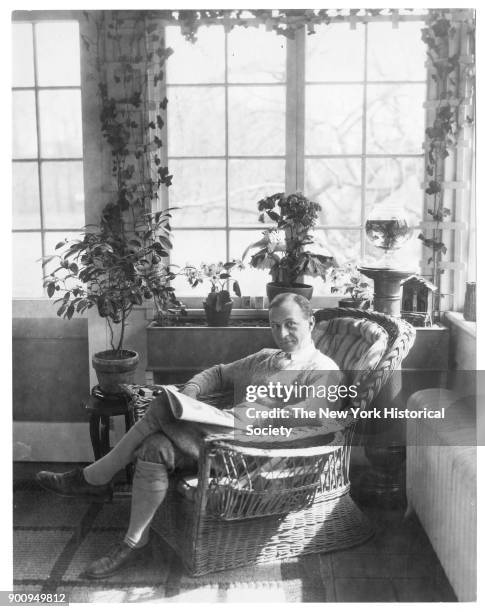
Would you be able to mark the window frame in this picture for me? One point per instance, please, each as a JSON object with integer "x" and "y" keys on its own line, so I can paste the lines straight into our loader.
{"x": 293, "y": 173}
{"x": 295, "y": 140}
{"x": 33, "y": 19}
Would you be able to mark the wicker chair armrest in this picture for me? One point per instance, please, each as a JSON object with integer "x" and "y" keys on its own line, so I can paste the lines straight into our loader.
{"x": 213, "y": 445}
{"x": 137, "y": 395}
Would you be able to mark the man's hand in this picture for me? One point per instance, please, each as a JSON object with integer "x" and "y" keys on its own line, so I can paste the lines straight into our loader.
{"x": 241, "y": 418}
{"x": 191, "y": 391}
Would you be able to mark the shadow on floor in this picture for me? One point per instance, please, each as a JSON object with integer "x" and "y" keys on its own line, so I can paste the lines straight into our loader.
{"x": 55, "y": 538}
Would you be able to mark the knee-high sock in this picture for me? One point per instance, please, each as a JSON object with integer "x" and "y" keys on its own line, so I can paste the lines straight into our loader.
{"x": 103, "y": 470}
{"x": 150, "y": 484}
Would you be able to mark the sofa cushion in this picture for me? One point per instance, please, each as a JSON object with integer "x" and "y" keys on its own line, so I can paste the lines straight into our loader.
{"x": 354, "y": 344}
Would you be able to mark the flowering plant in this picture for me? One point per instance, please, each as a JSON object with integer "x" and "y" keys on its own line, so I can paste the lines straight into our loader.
{"x": 284, "y": 248}
{"x": 219, "y": 276}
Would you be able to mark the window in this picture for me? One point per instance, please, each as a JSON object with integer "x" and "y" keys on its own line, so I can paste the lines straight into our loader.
{"x": 226, "y": 142}
{"x": 337, "y": 115}
{"x": 364, "y": 129}
{"x": 48, "y": 190}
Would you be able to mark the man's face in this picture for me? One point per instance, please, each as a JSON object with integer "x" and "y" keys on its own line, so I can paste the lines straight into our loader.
{"x": 291, "y": 330}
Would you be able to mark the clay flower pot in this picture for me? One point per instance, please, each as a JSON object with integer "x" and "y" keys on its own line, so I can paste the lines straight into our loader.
{"x": 218, "y": 318}
{"x": 115, "y": 368}
{"x": 275, "y": 288}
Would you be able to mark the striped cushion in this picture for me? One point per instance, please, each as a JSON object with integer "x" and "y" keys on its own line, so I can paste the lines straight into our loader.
{"x": 354, "y": 344}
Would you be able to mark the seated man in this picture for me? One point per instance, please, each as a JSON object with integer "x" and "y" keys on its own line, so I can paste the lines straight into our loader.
{"x": 161, "y": 445}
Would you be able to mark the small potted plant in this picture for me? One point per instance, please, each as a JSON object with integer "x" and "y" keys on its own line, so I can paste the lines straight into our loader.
{"x": 284, "y": 249}
{"x": 347, "y": 280}
{"x": 218, "y": 304}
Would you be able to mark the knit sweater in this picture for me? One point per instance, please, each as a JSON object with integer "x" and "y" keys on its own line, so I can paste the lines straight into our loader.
{"x": 308, "y": 367}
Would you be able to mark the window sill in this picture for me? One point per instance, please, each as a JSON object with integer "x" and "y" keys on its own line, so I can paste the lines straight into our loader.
{"x": 455, "y": 319}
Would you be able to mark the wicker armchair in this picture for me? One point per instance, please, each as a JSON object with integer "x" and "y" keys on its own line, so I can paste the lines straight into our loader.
{"x": 252, "y": 505}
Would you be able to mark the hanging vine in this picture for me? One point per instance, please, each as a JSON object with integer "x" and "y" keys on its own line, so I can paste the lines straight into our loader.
{"x": 448, "y": 71}
{"x": 285, "y": 22}
{"x": 120, "y": 261}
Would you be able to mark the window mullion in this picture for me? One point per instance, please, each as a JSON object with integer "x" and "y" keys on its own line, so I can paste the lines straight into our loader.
{"x": 363, "y": 179}
{"x": 39, "y": 151}
{"x": 292, "y": 101}
{"x": 226, "y": 141}
{"x": 300, "y": 40}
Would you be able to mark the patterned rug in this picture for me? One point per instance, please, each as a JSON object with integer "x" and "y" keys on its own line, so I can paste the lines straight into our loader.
{"x": 56, "y": 538}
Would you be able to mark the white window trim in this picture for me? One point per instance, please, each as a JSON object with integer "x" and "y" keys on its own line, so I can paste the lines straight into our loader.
{"x": 33, "y": 18}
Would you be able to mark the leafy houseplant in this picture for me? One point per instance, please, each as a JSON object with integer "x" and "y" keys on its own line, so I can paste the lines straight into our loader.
{"x": 284, "y": 249}
{"x": 113, "y": 270}
{"x": 118, "y": 262}
{"x": 218, "y": 304}
{"x": 348, "y": 280}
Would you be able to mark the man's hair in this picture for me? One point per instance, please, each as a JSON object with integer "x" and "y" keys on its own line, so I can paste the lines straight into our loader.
{"x": 300, "y": 300}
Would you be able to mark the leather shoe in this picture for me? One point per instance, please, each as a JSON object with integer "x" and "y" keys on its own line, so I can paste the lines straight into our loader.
{"x": 73, "y": 484}
{"x": 119, "y": 556}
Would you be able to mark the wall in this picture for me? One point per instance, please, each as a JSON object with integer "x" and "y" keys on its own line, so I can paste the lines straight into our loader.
{"x": 50, "y": 377}
{"x": 463, "y": 351}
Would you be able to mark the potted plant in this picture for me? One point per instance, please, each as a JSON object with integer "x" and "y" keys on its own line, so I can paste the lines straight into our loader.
{"x": 114, "y": 270}
{"x": 347, "y": 280}
{"x": 284, "y": 249}
{"x": 118, "y": 262}
{"x": 218, "y": 303}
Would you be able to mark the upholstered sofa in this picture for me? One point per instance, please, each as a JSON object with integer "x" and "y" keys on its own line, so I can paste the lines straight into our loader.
{"x": 441, "y": 475}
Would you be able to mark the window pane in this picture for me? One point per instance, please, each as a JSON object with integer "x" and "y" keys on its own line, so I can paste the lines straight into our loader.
{"x": 249, "y": 181}
{"x": 396, "y": 181}
{"x": 395, "y": 118}
{"x": 194, "y": 247}
{"x": 25, "y": 187}
{"x": 335, "y": 53}
{"x": 336, "y": 185}
{"x": 58, "y": 61}
{"x": 196, "y": 124}
{"x": 24, "y": 129}
{"x": 200, "y": 62}
{"x": 63, "y": 194}
{"x": 257, "y": 120}
{"x": 333, "y": 123}
{"x": 256, "y": 56}
{"x": 22, "y": 55}
{"x": 199, "y": 190}
{"x": 396, "y": 54}
{"x": 50, "y": 241}
{"x": 343, "y": 244}
{"x": 27, "y": 269}
{"x": 252, "y": 281}
{"x": 60, "y": 123}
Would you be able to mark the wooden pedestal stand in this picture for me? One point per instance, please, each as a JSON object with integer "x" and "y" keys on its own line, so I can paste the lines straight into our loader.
{"x": 385, "y": 447}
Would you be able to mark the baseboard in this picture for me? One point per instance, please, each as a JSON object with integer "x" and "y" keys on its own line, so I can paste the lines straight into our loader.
{"x": 65, "y": 442}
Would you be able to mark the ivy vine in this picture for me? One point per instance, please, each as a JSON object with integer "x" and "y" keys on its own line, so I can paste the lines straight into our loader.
{"x": 285, "y": 22}
{"x": 442, "y": 135}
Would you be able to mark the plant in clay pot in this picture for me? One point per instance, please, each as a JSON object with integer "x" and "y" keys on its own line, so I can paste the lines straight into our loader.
{"x": 347, "y": 280}
{"x": 285, "y": 248}
{"x": 114, "y": 267}
{"x": 218, "y": 303}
